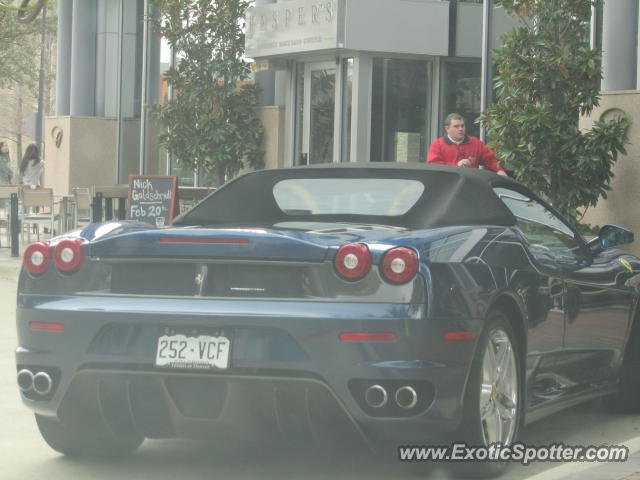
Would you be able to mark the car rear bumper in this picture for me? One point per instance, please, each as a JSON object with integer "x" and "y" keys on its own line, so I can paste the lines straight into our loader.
{"x": 288, "y": 371}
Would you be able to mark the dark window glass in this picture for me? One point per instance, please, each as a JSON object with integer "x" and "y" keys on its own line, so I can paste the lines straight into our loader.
{"x": 551, "y": 241}
{"x": 299, "y": 114}
{"x": 400, "y": 96}
{"x": 461, "y": 93}
{"x": 322, "y": 111}
{"x": 347, "y": 93}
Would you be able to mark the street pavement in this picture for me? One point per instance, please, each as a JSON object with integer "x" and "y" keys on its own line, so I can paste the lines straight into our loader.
{"x": 24, "y": 455}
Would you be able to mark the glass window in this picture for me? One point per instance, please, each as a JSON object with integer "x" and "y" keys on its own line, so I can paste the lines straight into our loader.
{"x": 461, "y": 93}
{"x": 551, "y": 241}
{"x": 346, "y": 196}
{"x": 400, "y": 102}
{"x": 322, "y": 110}
{"x": 347, "y": 93}
{"x": 299, "y": 115}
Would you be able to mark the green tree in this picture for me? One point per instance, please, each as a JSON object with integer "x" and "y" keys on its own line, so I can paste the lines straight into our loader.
{"x": 211, "y": 123}
{"x": 547, "y": 76}
{"x": 20, "y": 31}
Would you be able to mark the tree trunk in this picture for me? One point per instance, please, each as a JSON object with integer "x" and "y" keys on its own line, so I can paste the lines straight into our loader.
{"x": 19, "y": 120}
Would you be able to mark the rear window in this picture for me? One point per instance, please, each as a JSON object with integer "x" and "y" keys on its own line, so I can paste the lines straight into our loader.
{"x": 346, "y": 196}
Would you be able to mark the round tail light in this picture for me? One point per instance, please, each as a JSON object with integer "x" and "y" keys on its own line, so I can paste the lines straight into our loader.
{"x": 399, "y": 265}
{"x": 36, "y": 258}
{"x": 68, "y": 255}
{"x": 353, "y": 261}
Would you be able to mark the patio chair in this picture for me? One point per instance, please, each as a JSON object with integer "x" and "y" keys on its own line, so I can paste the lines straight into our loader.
{"x": 37, "y": 208}
{"x": 81, "y": 207}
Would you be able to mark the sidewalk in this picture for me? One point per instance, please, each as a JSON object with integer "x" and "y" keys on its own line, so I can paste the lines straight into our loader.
{"x": 629, "y": 470}
{"x": 9, "y": 266}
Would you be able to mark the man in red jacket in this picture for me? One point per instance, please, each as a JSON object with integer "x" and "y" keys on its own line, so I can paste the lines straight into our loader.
{"x": 456, "y": 148}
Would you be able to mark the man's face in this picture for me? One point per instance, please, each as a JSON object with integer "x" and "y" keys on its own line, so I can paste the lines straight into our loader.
{"x": 455, "y": 130}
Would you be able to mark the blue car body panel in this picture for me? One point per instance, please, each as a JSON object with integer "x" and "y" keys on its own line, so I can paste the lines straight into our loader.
{"x": 273, "y": 290}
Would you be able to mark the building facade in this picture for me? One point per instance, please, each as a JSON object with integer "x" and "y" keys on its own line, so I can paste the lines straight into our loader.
{"x": 616, "y": 30}
{"x": 342, "y": 81}
{"x": 108, "y": 69}
{"x": 367, "y": 80}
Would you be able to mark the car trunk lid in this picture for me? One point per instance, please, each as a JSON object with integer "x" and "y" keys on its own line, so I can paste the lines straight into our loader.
{"x": 209, "y": 243}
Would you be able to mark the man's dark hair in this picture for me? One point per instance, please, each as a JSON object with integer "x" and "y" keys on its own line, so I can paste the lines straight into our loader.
{"x": 453, "y": 116}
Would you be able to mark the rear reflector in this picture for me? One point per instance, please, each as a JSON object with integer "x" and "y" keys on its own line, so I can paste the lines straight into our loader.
{"x": 53, "y": 327}
{"x": 68, "y": 255}
{"x": 459, "y": 335}
{"x": 36, "y": 258}
{"x": 399, "y": 265}
{"x": 233, "y": 241}
{"x": 353, "y": 261}
{"x": 367, "y": 337}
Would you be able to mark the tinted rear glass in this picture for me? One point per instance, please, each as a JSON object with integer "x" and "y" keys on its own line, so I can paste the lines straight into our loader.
{"x": 347, "y": 196}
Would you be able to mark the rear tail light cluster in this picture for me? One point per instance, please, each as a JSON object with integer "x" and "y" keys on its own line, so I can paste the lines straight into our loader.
{"x": 399, "y": 265}
{"x": 68, "y": 256}
{"x": 36, "y": 258}
{"x": 353, "y": 261}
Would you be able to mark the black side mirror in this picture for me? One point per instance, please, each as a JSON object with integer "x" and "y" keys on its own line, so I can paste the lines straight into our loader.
{"x": 610, "y": 236}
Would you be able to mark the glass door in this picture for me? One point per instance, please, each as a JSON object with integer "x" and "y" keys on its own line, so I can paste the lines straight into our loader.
{"x": 319, "y": 112}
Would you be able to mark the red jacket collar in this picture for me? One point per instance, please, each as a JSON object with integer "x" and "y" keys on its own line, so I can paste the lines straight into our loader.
{"x": 464, "y": 140}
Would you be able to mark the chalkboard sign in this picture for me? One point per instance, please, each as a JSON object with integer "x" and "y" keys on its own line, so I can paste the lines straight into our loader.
{"x": 152, "y": 199}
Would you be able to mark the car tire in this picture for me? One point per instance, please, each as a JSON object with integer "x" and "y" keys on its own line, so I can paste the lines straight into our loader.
{"x": 627, "y": 398}
{"x": 77, "y": 441}
{"x": 492, "y": 397}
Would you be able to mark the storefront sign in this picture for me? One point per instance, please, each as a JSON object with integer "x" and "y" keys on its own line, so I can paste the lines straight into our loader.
{"x": 295, "y": 26}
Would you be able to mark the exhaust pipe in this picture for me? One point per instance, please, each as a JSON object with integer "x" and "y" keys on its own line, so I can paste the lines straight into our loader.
{"x": 376, "y": 396}
{"x": 406, "y": 397}
{"x": 42, "y": 383}
{"x": 25, "y": 380}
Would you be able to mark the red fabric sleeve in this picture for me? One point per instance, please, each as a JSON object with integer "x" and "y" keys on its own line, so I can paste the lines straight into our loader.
{"x": 434, "y": 155}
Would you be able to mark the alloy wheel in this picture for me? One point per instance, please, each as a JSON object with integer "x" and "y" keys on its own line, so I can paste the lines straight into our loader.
{"x": 499, "y": 390}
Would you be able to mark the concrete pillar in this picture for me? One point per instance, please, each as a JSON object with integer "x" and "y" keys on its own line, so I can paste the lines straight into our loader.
{"x": 107, "y": 58}
{"x": 136, "y": 49}
{"x": 63, "y": 68}
{"x": 638, "y": 53}
{"x": 83, "y": 60}
{"x": 102, "y": 29}
{"x": 361, "y": 108}
{"x": 619, "y": 45}
{"x": 280, "y": 88}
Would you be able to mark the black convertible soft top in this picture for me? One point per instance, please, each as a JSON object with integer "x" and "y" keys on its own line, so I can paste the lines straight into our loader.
{"x": 452, "y": 196}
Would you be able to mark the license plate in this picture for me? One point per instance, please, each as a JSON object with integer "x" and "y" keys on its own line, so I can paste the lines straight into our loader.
{"x": 193, "y": 352}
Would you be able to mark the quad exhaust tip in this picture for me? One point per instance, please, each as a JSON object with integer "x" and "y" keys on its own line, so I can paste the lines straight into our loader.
{"x": 376, "y": 396}
{"x": 25, "y": 380}
{"x": 42, "y": 383}
{"x": 406, "y": 397}
{"x": 39, "y": 382}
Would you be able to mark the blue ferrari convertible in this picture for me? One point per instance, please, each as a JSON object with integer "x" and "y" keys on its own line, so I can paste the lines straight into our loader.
{"x": 388, "y": 304}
